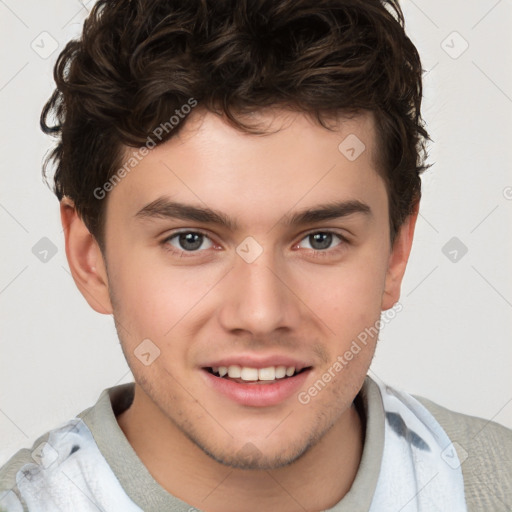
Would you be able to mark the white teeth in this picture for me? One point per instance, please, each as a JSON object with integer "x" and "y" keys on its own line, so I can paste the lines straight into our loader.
{"x": 253, "y": 374}
{"x": 290, "y": 371}
{"x": 249, "y": 373}
{"x": 280, "y": 372}
{"x": 267, "y": 373}
{"x": 234, "y": 371}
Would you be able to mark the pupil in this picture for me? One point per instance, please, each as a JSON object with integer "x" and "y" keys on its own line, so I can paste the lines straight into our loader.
{"x": 320, "y": 240}
{"x": 190, "y": 241}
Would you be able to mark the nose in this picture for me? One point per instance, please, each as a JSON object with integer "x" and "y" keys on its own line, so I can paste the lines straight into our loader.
{"x": 257, "y": 297}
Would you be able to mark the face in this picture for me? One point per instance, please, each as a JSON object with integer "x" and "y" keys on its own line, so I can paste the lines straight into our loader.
{"x": 227, "y": 250}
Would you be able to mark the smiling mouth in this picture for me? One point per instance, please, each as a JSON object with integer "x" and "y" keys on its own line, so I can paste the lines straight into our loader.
{"x": 245, "y": 375}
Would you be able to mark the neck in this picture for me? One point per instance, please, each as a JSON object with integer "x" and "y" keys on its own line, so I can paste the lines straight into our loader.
{"x": 316, "y": 481}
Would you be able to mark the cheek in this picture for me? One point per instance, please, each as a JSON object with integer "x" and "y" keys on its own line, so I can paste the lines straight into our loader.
{"x": 349, "y": 305}
{"x": 155, "y": 300}
{"x": 346, "y": 297}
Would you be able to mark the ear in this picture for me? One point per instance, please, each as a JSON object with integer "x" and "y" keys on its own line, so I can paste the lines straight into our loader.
{"x": 398, "y": 260}
{"x": 85, "y": 259}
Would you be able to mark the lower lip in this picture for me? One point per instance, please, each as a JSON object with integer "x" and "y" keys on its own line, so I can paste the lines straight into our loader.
{"x": 255, "y": 394}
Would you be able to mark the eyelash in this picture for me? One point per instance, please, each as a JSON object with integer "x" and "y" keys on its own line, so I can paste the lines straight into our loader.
{"x": 187, "y": 254}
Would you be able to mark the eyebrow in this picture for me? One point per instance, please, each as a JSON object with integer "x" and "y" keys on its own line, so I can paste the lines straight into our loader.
{"x": 164, "y": 208}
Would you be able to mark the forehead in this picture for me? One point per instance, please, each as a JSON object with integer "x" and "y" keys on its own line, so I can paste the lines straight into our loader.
{"x": 296, "y": 162}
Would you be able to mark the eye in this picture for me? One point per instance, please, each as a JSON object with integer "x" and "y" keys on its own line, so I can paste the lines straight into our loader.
{"x": 321, "y": 240}
{"x": 188, "y": 241}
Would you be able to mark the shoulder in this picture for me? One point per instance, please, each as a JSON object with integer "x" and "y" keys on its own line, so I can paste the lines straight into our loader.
{"x": 484, "y": 449}
{"x": 10, "y": 498}
{"x": 30, "y": 470}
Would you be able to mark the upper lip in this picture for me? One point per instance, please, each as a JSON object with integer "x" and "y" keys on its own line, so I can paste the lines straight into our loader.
{"x": 253, "y": 361}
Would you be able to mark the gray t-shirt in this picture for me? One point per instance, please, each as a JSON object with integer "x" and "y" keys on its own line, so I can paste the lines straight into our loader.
{"x": 483, "y": 447}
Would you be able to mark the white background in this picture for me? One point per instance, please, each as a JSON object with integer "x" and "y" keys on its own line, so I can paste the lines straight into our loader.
{"x": 452, "y": 341}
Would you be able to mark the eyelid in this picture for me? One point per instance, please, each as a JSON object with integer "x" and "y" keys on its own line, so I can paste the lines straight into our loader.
{"x": 344, "y": 239}
{"x": 185, "y": 230}
{"x": 165, "y": 243}
{"x": 332, "y": 231}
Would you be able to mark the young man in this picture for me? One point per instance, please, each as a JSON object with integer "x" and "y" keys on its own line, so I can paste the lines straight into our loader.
{"x": 239, "y": 184}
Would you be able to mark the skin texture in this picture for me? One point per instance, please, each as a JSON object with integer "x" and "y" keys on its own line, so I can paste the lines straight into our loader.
{"x": 199, "y": 306}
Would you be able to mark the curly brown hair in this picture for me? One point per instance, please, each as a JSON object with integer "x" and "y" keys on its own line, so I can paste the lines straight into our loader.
{"x": 138, "y": 61}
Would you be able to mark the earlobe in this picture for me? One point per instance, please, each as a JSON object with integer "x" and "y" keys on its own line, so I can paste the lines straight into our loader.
{"x": 85, "y": 259}
{"x": 398, "y": 260}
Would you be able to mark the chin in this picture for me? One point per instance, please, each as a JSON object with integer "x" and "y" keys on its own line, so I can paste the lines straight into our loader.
{"x": 251, "y": 457}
